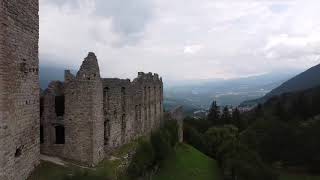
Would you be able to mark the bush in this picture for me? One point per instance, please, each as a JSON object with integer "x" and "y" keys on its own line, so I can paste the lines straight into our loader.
{"x": 161, "y": 145}
{"x": 194, "y": 138}
{"x": 151, "y": 153}
{"x": 171, "y": 128}
{"x": 142, "y": 161}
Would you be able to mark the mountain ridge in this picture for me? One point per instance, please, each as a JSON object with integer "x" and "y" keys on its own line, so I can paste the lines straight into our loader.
{"x": 306, "y": 80}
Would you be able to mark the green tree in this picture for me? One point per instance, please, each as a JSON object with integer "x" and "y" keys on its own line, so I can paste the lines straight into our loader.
{"x": 237, "y": 119}
{"x": 142, "y": 161}
{"x": 226, "y": 116}
{"x": 214, "y": 113}
{"x": 217, "y": 135}
{"x": 172, "y": 132}
{"x": 193, "y": 137}
{"x": 161, "y": 144}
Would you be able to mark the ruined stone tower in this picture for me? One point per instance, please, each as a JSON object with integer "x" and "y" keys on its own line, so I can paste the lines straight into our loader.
{"x": 84, "y": 114}
{"x": 19, "y": 88}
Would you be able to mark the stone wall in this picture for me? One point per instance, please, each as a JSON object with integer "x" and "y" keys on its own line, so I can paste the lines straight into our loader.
{"x": 50, "y": 119}
{"x": 19, "y": 88}
{"x": 101, "y": 114}
{"x": 84, "y": 114}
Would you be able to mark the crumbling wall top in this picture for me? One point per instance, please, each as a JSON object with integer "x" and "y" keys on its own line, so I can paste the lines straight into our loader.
{"x": 148, "y": 77}
{"x": 55, "y": 88}
{"x": 89, "y": 69}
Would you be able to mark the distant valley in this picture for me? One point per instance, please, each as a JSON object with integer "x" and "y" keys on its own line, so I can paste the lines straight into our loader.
{"x": 197, "y": 95}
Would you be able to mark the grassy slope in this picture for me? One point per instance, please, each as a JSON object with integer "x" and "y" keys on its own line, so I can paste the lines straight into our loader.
{"x": 49, "y": 171}
{"x": 189, "y": 164}
{"x": 107, "y": 169}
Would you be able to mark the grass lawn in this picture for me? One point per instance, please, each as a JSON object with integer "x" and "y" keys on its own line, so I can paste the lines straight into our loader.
{"x": 49, "y": 171}
{"x": 189, "y": 164}
{"x": 107, "y": 169}
{"x": 286, "y": 176}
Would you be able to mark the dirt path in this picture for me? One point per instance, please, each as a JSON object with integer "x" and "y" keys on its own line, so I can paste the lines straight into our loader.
{"x": 58, "y": 161}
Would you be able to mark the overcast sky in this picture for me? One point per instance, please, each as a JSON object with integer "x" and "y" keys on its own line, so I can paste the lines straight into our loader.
{"x": 181, "y": 39}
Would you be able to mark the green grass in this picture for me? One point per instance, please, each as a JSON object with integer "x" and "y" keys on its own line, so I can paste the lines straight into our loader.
{"x": 49, "y": 171}
{"x": 287, "y": 176}
{"x": 189, "y": 164}
{"x": 107, "y": 169}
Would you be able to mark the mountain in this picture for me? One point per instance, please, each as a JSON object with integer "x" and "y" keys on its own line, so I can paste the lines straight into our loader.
{"x": 199, "y": 94}
{"x": 305, "y": 80}
{"x": 51, "y": 73}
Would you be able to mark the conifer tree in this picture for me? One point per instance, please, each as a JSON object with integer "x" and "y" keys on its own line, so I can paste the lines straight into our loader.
{"x": 214, "y": 113}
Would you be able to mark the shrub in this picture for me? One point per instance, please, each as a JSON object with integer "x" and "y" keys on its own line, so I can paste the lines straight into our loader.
{"x": 142, "y": 160}
{"x": 161, "y": 145}
{"x": 194, "y": 138}
{"x": 172, "y": 132}
{"x": 151, "y": 153}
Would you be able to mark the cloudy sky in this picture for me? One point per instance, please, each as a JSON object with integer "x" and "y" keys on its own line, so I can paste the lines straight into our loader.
{"x": 181, "y": 39}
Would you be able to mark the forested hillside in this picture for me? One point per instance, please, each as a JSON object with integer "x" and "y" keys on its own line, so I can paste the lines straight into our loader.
{"x": 306, "y": 80}
{"x": 278, "y": 136}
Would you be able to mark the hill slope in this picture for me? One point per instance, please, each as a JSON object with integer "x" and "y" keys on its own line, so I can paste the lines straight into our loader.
{"x": 189, "y": 163}
{"x": 306, "y": 80}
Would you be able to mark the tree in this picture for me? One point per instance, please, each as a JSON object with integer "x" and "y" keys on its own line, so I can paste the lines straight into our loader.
{"x": 217, "y": 135}
{"x": 193, "y": 137}
{"x": 237, "y": 161}
{"x": 142, "y": 160}
{"x": 214, "y": 113}
{"x": 237, "y": 120}
{"x": 226, "y": 117}
{"x": 160, "y": 141}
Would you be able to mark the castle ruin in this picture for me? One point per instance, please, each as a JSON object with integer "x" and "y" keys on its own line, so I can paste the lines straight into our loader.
{"x": 82, "y": 119}
{"x": 86, "y": 117}
{"x": 19, "y": 88}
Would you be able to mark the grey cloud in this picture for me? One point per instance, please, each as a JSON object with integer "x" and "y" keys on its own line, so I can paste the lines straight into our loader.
{"x": 130, "y": 17}
{"x": 72, "y": 3}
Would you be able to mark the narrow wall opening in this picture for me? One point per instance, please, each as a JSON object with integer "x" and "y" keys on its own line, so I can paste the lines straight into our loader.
{"x": 41, "y": 106}
{"x": 41, "y": 135}
{"x": 106, "y": 97}
{"x": 60, "y": 134}
{"x": 59, "y": 105}
{"x": 106, "y": 131}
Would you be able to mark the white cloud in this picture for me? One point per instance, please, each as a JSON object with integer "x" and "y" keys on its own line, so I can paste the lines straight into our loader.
{"x": 192, "y": 49}
{"x": 182, "y": 39}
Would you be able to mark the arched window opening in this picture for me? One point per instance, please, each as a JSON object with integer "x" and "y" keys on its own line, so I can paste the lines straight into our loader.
{"x": 18, "y": 152}
{"x": 59, "y": 105}
{"x": 60, "y": 135}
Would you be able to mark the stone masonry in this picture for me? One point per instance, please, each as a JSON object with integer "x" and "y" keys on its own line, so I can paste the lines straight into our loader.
{"x": 81, "y": 119}
{"x": 19, "y": 88}
{"x": 86, "y": 117}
